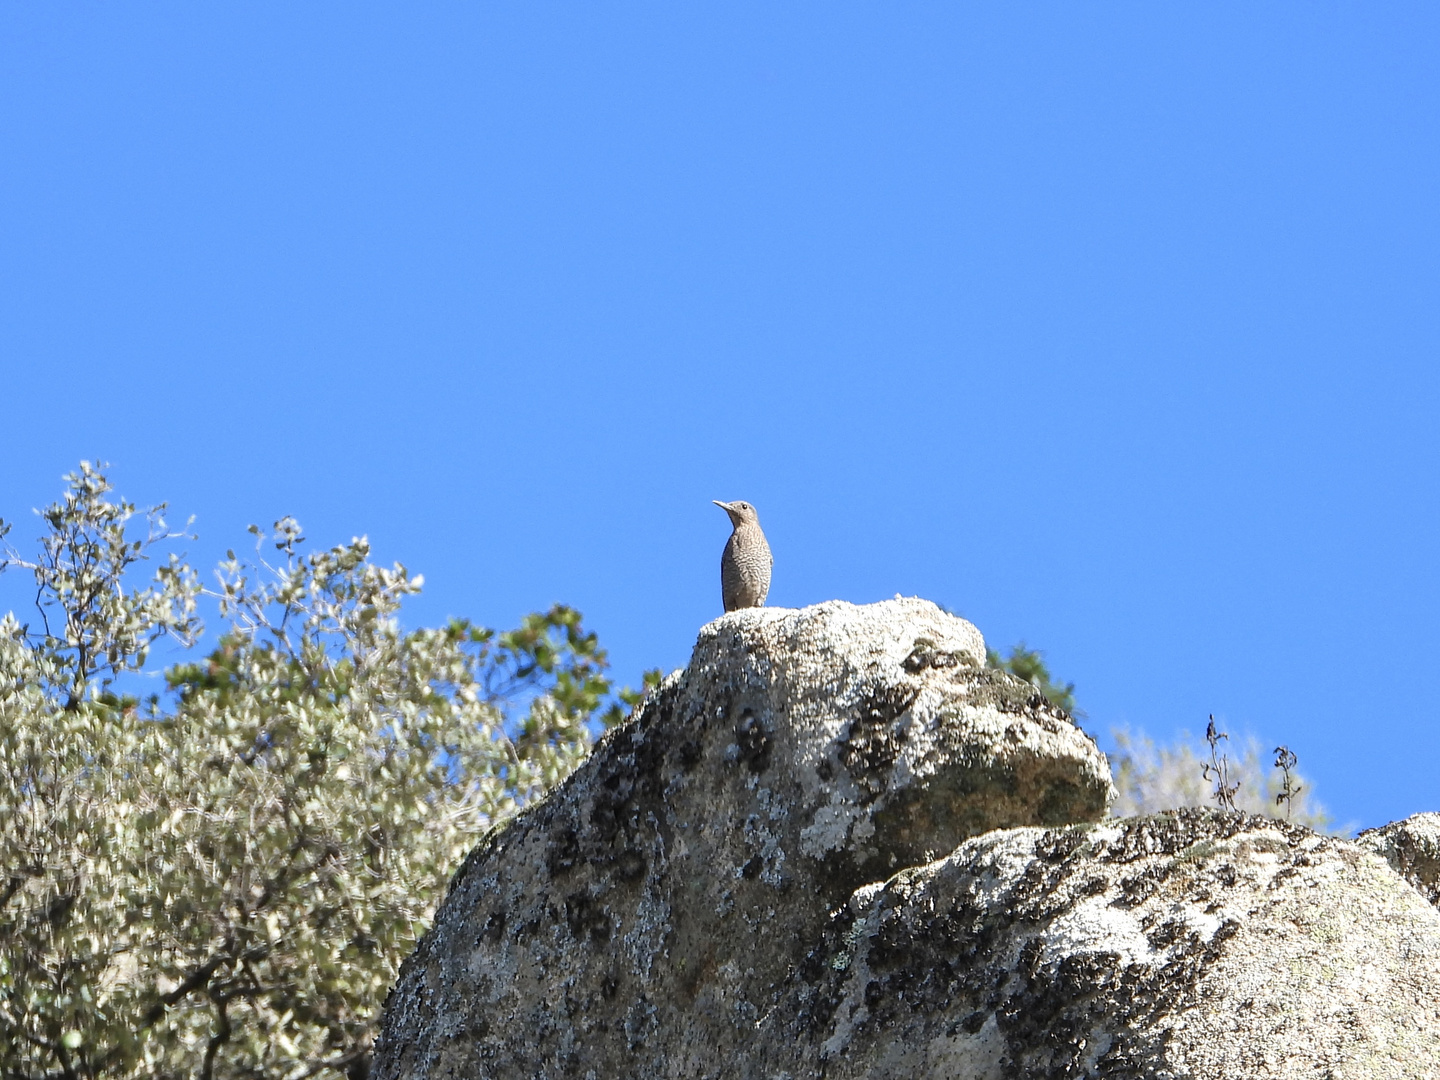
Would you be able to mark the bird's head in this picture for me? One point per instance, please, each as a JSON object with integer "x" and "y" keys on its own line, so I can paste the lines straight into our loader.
{"x": 741, "y": 513}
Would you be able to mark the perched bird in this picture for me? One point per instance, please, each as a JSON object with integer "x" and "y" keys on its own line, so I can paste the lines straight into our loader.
{"x": 745, "y": 566}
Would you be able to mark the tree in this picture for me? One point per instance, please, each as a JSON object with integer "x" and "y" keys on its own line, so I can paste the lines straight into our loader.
{"x": 221, "y": 878}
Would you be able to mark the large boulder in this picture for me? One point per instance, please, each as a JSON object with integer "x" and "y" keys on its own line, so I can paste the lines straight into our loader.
{"x": 836, "y": 844}
{"x": 650, "y": 912}
{"x": 1191, "y": 944}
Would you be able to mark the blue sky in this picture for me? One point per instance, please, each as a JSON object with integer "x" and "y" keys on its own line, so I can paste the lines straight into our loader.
{"x": 1113, "y": 328}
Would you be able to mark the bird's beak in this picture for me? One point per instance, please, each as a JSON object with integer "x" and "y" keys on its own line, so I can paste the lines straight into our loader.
{"x": 722, "y": 506}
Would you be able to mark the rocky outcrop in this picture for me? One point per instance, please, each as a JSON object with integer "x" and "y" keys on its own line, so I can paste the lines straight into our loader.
{"x": 1194, "y": 944}
{"x": 838, "y": 845}
{"x": 1412, "y": 847}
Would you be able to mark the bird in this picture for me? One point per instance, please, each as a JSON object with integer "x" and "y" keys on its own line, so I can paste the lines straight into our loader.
{"x": 745, "y": 565}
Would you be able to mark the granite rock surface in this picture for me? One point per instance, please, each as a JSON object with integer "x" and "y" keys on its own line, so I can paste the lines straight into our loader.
{"x": 1412, "y": 847}
{"x": 838, "y": 845}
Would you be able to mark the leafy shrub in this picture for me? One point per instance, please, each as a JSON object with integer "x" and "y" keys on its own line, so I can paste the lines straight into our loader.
{"x": 221, "y": 879}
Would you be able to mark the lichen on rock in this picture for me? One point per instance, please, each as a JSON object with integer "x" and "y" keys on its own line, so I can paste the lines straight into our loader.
{"x": 1193, "y": 943}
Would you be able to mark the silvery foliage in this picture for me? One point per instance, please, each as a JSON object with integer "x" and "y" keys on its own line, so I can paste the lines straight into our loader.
{"x": 222, "y": 879}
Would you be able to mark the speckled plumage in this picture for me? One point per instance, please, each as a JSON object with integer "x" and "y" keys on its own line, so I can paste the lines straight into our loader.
{"x": 746, "y": 563}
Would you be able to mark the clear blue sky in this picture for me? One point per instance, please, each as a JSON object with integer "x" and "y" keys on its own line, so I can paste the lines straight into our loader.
{"x": 1112, "y": 327}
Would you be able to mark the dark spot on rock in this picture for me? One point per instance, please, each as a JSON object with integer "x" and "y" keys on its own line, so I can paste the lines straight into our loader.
{"x": 751, "y": 870}
{"x": 920, "y": 656}
{"x": 874, "y": 992}
{"x": 563, "y": 852}
{"x": 584, "y": 916}
{"x": 695, "y": 969}
{"x": 823, "y": 977}
{"x": 753, "y": 740}
{"x": 874, "y": 741}
{"x": 825, "y": 771}
{"x": 605, "y": 817}
{"x": 972, "y": 1024}
{"x": 925, "y": 655}
{"x": 609, "y": 987}
{"x": 1060, "y": 845}
{"x": 649, "y": 760}
{"x": 689, "y": 754}
{"x": 1030, "y": 954}
{"x": 1138, "y": 888}
{"x": 494, "y": 928}
{"x": 1168, "y": 933}
{"x": 630, "y": 865}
